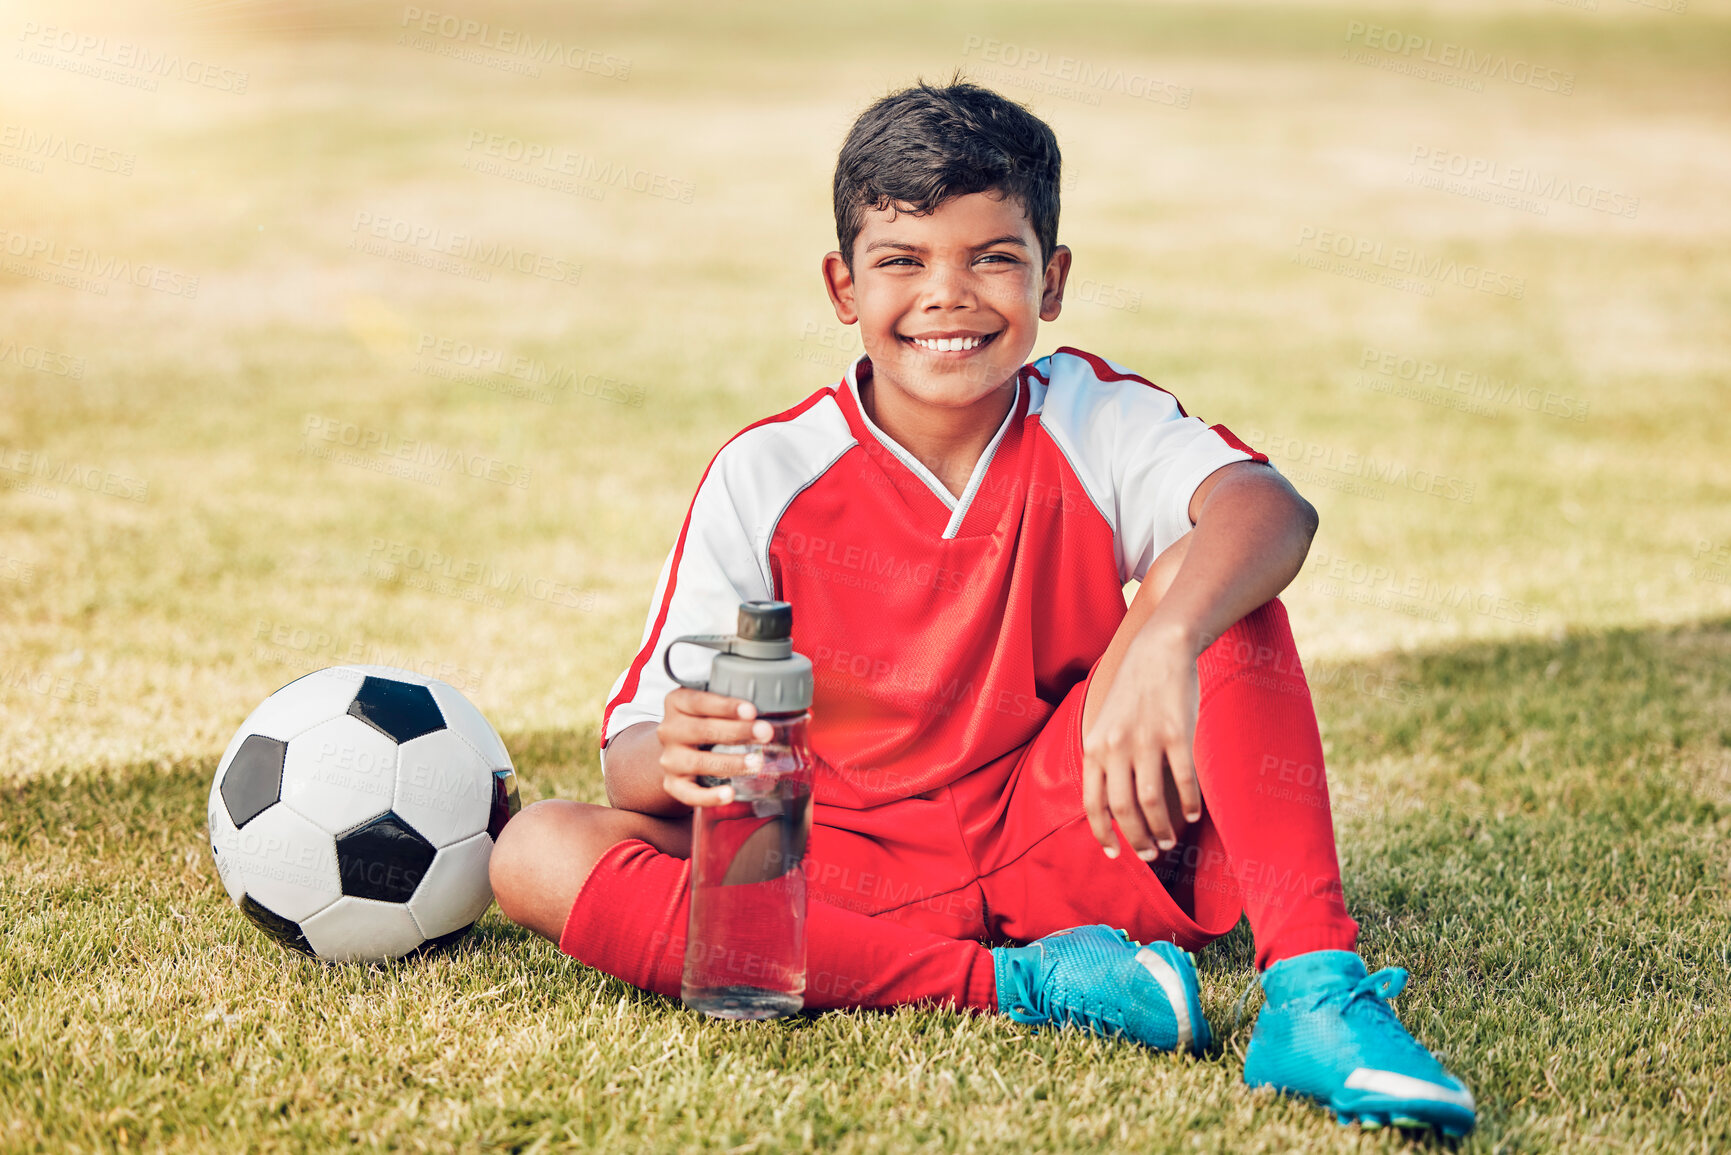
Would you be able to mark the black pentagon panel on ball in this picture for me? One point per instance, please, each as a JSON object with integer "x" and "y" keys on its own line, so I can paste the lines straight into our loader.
{"x": 254, "y": 778}
{"x": 284, "y": 930}
{"x": 505, "y": 801}
{"x": 384, "y": 859}
{"x": 398, "y": 710}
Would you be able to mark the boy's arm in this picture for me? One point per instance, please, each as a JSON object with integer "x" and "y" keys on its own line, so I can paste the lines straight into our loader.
{"x": 1252, "y": 533}
{"x": 631, "y": 767}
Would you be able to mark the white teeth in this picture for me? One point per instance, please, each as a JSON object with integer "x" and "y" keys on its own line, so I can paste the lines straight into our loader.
{"x": 948, "y": 344}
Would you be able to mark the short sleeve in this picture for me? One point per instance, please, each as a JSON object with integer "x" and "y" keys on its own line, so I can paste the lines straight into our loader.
{"x": 721, "y": 557}
{"x": 1135, "y": 450}
{"x": 711, "y": 569}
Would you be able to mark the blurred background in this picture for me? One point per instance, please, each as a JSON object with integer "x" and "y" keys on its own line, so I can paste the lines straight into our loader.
{"x": 395, "y": 333}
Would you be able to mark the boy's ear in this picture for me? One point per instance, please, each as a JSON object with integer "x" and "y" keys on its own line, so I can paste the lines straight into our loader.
{"x": 838, "y": 279}
{"x": 1052, "y": 292}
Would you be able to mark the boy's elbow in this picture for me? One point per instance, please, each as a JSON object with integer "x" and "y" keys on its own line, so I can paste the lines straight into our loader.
{"x": 1308, "y": 519}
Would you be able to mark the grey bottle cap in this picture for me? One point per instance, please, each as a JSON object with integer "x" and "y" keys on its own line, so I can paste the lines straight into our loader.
{"x": 757, "y": 664}
{"x": 773, "y": 685}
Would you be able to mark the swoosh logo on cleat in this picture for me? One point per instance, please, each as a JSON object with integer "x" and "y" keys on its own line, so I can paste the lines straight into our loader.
{"x": 1174, "y": 988}
{"x": 1398, "y": 1086}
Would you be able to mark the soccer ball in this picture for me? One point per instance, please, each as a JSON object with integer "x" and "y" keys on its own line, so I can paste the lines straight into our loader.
{"x": 354, "y": 813}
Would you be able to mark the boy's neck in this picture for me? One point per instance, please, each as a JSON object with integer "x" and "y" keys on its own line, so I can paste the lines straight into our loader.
{"x": 945, "y": 440}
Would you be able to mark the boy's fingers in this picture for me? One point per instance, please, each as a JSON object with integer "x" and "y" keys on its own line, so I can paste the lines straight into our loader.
{"x": 1121, "y": 795}
{"x": 1094, "y": 806}
{"x": 1183, "y": 764}
{"x": 695, "y": 731}
{"x": 685, "y": 790}
{"x": 703, "y": 704}
{"x": 685, "y": 762}
{"x": 1151, "y": 800}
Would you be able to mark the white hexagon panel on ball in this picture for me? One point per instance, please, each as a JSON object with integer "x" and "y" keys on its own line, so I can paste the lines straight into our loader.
{"x": 444, "y": 787}
{"x": 455, "y": 891}
{"x": 297, "y": 707}
{"x": 289, "y": 864}
{"x": 340, "y": 773}
{"x": 225, "y": 845}
{"x": 462, "y": 716}
{"x": 362, "y": 930}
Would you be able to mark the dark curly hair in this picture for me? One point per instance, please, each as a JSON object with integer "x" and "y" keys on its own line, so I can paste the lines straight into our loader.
{"x": 917, "y": 148}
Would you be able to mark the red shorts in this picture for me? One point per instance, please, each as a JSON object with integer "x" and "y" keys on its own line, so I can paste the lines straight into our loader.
{"x": 1005, "y": 854}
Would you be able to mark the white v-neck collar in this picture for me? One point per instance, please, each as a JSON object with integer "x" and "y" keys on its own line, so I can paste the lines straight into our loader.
{"x": 958, "y": 506}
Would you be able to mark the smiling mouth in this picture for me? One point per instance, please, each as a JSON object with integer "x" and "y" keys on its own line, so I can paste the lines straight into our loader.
{"x": 958, "y": 344}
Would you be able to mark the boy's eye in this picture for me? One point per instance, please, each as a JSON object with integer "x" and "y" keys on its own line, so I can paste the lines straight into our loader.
{"x": 999, "y": 258}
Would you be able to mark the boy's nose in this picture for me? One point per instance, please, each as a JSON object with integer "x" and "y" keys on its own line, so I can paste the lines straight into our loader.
{"x": 947, "y": 288}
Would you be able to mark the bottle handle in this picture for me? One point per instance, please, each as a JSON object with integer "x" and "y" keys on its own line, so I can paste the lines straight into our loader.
{"x": 721, "y": 642}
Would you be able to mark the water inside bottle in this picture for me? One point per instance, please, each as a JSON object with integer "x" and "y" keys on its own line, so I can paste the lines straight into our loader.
{"x": 745, "y": 949}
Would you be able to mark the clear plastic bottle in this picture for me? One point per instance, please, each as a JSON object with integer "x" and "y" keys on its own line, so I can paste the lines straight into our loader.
{"x": 745, "y": 944}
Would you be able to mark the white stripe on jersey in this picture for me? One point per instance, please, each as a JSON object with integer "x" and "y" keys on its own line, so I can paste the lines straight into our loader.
{"x": 725, "y": 560}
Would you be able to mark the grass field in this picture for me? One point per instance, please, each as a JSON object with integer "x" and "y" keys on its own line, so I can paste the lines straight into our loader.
{"x": 1518, "y": 610}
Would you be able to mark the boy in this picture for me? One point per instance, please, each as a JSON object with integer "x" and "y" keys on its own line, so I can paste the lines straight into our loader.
{"x": 954, "y": 529}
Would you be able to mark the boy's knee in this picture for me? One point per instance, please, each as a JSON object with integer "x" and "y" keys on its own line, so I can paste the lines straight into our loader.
{"x": 528, "y": 843}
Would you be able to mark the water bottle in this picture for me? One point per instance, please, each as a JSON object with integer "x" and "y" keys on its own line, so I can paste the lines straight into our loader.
{"x": 745, "y": 944}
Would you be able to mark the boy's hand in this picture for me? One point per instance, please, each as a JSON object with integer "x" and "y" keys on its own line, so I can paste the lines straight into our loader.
{"x": 696, "y": 718}
{"x": 1145, "y": 730}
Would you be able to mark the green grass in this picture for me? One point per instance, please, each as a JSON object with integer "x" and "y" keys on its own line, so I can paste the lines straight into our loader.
{"x": 1540, "y": 839}
{"x": 1531, "y": 804}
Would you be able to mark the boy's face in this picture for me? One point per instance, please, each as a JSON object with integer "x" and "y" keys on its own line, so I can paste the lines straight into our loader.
{"x": 949, "y": 303}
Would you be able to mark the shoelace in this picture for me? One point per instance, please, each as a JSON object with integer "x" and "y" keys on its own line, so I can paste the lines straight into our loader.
{"x": 1385, "y": 984}
{"x": 1370, "y": 996}
{"x": 1029, "y": 997}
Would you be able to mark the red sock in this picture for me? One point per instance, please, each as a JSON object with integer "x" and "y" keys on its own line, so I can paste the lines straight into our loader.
{"x": 1259, "y": 763}
{"x": 629, "y": 920}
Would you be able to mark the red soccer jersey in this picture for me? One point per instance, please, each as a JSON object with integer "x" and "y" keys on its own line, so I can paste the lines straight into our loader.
{"x": 943, "y": 631}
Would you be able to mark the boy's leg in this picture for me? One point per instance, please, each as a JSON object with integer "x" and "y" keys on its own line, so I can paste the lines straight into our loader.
{"x": 1260, "y": 846}
{"x": 610, "y": 888}
{"x": 1256, "y": 735}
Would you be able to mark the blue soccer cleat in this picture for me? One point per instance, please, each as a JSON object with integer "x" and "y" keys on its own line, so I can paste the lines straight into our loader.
{"x": 1096, "y": 978}
{"x": 1329, "y": 1033}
